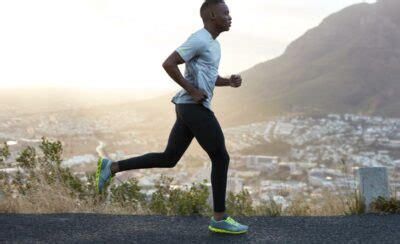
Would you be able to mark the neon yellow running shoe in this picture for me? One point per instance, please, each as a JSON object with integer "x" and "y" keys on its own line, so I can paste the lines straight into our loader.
{"x": 228, "y": 225}
{"x": 103, "y": 173}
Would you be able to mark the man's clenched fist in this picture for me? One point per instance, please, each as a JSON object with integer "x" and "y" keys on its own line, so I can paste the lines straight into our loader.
{"x": 235, "y": 80}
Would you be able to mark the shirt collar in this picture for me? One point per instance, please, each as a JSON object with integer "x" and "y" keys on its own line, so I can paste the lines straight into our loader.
{"x": 209, "y": 34}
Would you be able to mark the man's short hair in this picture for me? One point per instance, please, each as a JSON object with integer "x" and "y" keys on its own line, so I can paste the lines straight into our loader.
{"x": 208, "y": 3}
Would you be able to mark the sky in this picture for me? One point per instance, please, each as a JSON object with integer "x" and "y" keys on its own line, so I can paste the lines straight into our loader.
{"x": 121, "y": 44}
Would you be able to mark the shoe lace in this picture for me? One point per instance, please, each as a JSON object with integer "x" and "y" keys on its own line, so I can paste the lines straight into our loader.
{"x": 232, "y": 221}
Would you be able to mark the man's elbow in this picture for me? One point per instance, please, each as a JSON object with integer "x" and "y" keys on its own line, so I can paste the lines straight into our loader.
{"x": 166, "y": 65}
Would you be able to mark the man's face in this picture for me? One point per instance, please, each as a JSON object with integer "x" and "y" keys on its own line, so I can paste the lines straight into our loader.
{"x": 222, "y": 19}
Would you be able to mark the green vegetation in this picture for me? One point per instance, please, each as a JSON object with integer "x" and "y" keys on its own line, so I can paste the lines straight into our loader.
{"x": 42, "y": 185}
{"x": 240, "y": 204}
{"x": 40, "y": 180}
{"x": 384, "y": 205}
{"x": 128, "y": 195}
{"x": 168, "y": 201}
{"x": 4, "y": 153}
{"x": 354, "y": 204}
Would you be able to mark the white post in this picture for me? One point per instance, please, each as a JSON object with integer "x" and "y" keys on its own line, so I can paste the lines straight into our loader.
{"x": 373, "y": 182}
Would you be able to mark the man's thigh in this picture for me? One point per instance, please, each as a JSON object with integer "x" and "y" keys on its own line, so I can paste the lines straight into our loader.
{"x": 180, "y": 137}
{"x": 210, "y": 135}
{"x": 205, "y": 127}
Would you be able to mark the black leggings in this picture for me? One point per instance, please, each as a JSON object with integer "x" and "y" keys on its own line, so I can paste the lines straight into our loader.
{"x": 192, "y": 120}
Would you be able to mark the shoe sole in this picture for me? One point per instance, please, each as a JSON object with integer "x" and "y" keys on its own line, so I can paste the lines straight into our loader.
{"x": 225, "y": 231}
{"x": 99, "y": 165}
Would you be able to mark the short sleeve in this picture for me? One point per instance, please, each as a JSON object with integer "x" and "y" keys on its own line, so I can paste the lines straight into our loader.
{"x": 191, "y": 48}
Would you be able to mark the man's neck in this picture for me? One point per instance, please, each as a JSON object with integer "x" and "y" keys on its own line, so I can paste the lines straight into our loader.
{"x": 214, "y": 33}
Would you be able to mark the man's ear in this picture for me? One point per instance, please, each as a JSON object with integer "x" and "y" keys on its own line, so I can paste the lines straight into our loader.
{"x": 213, "y": 15}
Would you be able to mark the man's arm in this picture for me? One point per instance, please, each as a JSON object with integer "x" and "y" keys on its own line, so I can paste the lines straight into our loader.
{"x": 222, "y": 81}
{"x": 233, "y": 81}
{"x": 171, "y": 67}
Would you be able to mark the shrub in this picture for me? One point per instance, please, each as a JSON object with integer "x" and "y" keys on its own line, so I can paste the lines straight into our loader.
{"x": 381, "y": 204}
{"x": 350, "y": 198}
{"x": 168, "y": 201}
{"x": 191, "y": 201}
{"x": 4, "y": 152}
{"x": 354, "y": 203}
{"x": 298, "y": 207}
{"x": 128, "y": 195}
{"x": 28, "y": 158}
{"x": 269, "y": 208}
{"x": 239, "y": 204}
{"x": 158, "y": 203}
{"x": 45, "y": 169}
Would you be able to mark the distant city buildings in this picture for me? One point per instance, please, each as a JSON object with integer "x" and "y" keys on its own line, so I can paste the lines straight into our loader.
{"x": 323, "y": 153}
{"x": 261, "y": 163}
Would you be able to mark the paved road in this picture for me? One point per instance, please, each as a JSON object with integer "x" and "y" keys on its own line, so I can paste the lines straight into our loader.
{"x": 100, "y": 228}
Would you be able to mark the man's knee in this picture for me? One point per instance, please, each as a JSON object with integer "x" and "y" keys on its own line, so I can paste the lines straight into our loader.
{"x": 171, "y": 159}
{"x": 227, "y": 159}
{"x": 220, "y": 155}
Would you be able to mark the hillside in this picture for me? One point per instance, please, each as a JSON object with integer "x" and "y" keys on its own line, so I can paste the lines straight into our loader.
{"x": 349, "y": 63}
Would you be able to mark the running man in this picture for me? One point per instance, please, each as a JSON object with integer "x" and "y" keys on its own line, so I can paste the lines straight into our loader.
{"x": 201, "y": 54}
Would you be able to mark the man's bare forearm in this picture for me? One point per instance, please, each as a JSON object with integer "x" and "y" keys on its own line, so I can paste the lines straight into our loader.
{"x": 222, "y": 81}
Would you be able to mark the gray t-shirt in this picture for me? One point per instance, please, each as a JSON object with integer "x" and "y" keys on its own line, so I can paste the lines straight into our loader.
{"x": 202, "y": 54}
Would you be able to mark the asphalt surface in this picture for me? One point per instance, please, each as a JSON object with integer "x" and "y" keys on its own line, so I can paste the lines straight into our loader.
{"x": 101, "y": 228}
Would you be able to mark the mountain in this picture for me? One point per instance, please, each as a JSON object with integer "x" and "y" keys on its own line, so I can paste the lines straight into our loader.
{"x": 349, "y": 63}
